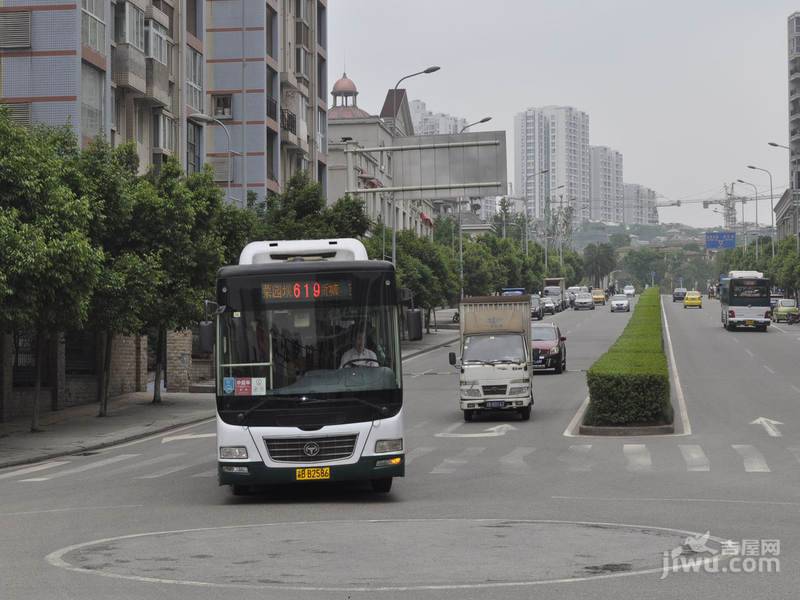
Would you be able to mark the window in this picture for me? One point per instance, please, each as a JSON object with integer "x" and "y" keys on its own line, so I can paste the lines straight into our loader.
{"x": 302, "y": 10}
{"x": 156, "y": 46}
{"x": 163, "y": 132}
{"x": 222, "y": 106}
{"x": 193, "y": 162}
{"x": 93, "y": 27}
{"x": 302, "y": 34}
{"x": 15, "y": 29}
{"x": 92, "y": 101}
{"x": 194, "y": 79}
{"x": 302, "y": 62}
{"x": 191, "y": 17}
{"x": 129, "y": 25}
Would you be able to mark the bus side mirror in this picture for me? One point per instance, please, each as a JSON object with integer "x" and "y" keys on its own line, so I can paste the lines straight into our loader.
{"x": 452, "y": 357}
{"x": 207, "y": 336}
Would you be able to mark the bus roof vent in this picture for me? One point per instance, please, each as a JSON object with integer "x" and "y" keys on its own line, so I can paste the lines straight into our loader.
{"x": 345, "y": 249}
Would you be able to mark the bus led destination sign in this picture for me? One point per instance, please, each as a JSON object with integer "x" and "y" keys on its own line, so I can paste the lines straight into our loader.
{"x": 305, "y": 290}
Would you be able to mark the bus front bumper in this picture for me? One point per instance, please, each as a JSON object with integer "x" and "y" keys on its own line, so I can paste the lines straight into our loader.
{"x": 257, "y": 473}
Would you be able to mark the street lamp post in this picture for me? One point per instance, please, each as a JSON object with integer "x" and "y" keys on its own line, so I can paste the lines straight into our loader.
{"x": 483, "y": 120}
{"x": 771, "y": 206}
{"x": 755, "y": 199}
{"x": 203, "y": 118}
{"x": 427, "y": 71}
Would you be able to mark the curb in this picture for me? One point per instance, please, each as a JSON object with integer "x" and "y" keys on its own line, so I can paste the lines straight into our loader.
{"x": 128, "y": 438}
{"x": 626, "y": 431}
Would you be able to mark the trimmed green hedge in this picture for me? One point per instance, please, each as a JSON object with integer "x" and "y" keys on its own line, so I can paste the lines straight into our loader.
{"x": 629, "y": 384}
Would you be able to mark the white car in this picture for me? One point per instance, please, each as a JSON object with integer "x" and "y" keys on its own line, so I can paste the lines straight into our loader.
{"x": 620, "y": 303}
{"x": 583, "y": 300}
{"x": 629, "y": 290}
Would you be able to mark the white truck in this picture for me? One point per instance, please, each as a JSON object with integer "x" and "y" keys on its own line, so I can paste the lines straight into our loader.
{"x": 496, "y": 367}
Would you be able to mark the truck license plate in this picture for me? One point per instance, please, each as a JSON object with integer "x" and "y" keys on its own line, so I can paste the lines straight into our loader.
{"x": 309, "y": 473}
{"x": 495, "y": 404}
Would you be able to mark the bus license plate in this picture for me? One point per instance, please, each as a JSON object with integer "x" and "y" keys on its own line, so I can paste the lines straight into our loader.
{"x": 310, "y": 473}
{"x": 750, "y": 323}
{"x": 495, "y": 404}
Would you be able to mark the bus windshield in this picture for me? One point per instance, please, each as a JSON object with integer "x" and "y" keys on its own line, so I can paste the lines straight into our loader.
{"x": 748, "y": 292}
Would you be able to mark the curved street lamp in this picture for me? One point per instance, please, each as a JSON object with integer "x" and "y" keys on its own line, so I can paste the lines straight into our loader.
{"x": 755, "y": 199}
{"x": 483, "y": 120}
{"x": 771, "y": 207}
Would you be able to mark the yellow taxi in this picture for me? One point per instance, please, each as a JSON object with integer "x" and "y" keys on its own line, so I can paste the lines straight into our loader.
{"x": 693, "y": 298}
{"x": 598, "y": 296}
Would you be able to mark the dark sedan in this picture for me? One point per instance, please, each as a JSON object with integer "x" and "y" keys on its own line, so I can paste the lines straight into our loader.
{"x": 549, "y": 349}
{"x": 678, "y": 294}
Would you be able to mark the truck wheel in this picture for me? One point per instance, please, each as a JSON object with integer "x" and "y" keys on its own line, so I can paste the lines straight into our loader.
{"x": 468, "y": 414}
{"x": 525, "y": 413}
{"x": 381, "y": 486}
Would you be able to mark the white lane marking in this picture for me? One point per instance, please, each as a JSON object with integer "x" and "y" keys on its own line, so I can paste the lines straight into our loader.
{"x": 496, "y": 431}
{"x": 449, "y": 465}
{"x": 753, "y": 459}
{"x": 687, "y": 427}
{"x": 516, "y": 458}
{"x": 769, "y": 425}
{"x": 749, "y": 352}
{"x": 416, "y": 453}
{"x": 33, "y": 469}
{"x": 175, "y": 469}
{"x": 714, "y": 500}
{"x": 695, "y": 458}
{"x": 577, "y": 457}
{"x": 778, "y": 328}
{"x": 415, "y": 375}
{"x": 162, "y": 433}
{"x": 77, "y": 508}
{"x": 143, "y": 463}
{"x": 572, "y": 427}
{"x": 92, "y": 465}
{"x": 209, "y": 473}
{"x": 796, "y": 389}
{"x": 186, "y": 436}
{"x": 795, "y": 452}
{"x": 638, "y": 457}
{"x": 735, "y": 341}
{"x": 768, "y": 369}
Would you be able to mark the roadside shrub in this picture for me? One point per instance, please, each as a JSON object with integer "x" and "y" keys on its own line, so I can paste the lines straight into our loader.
{"x": 629, "y": 384}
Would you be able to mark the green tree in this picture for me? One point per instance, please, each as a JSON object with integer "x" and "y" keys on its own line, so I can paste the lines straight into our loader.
{"x": 619, "y": 240}
{"x": 598, "y": 261}
{"x": 347, "y": 217}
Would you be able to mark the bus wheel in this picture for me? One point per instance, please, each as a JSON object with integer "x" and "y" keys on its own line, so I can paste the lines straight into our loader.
{"x": 468, "y": 414}
{"x": 381, "y": 486}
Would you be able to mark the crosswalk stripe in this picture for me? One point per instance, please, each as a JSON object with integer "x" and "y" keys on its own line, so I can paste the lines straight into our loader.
{"x": 753, "y": 459}
{"x": 143, "y": 463}
{"x": 449, "y": 465}
{"x": 416, "y": 453}
{"x": 175, "y": 469}
{"x": 577, "y": 457}
{"x": 33, "y": 469}
{"x": 638, "y": 457}
{"x": 696, "y": 459}
{"x": 516, "y": 458}
{"x": 92, "y": 465}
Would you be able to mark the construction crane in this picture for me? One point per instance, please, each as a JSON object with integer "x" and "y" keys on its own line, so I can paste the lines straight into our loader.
{"x": 728, "y": 204}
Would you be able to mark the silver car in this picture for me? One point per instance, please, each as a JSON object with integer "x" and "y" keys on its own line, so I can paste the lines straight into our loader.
{"x": 620, "y": 303}
{"x": 583, "y": 300}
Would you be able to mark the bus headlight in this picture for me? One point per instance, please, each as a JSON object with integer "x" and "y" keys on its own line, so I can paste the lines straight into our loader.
{"x": 382, "y": 446}
{"x": 227, "y": 452}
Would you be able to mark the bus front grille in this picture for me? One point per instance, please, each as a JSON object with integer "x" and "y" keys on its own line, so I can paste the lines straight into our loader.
{"x": 307, "y": 450}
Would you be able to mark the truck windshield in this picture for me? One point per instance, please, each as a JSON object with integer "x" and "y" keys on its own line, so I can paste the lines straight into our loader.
{"x": 552, "y": 291}
{"x": 493, "y": 348}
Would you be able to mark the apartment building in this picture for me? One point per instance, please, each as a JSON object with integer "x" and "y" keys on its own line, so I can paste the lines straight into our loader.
{"x": 607, "y": 188}
{"x": 267, "y": 88}
{"x": 551, "y": 147}
{"x": 427, "y": 122}
{"x": 640, "y": 205}
{"x": 131, "y": 70}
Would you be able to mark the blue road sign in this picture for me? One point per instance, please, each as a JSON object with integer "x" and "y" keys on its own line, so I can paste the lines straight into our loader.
{"x": 720, "y": 240}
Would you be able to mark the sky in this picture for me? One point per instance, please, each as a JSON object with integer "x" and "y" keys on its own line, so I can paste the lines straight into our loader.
{"x": 689, "y": 91}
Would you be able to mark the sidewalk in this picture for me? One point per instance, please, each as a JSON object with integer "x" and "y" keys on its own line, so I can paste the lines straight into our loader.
{"x": 131, "y": 416}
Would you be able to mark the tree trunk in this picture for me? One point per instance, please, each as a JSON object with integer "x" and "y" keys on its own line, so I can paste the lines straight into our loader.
{"x": 159, "y": 365}
{"x": 428, "y": 320}
{"x": 107, "y": 342}
{"x": 38, "y": 389}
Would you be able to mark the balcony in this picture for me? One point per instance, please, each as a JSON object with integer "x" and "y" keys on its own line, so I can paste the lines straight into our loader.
{"x": 288, "y": 121}
{"x": 272, "y": 109}
{"x": 157, "y": 82}
{"x": 129, "y": 69}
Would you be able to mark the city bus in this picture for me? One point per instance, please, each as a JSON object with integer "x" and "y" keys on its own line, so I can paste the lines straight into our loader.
{"x": 744, "y": 298}
{"x": 308, "y": 368}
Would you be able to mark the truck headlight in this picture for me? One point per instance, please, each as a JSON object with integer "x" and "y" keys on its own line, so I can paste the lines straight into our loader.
{"x": 517, "y": 389}
{"x": 389, "y": 446}
{"x": 227, "y": 452}
{"x": 470, "y": 392}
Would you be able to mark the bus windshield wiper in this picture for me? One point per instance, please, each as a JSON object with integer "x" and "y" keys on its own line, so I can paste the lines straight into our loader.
{"x": 304, "y": 401}
{"x": 378, "y": 407}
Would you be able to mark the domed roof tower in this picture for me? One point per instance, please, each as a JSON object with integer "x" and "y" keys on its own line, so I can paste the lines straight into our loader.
{"x": 345, "y": 102}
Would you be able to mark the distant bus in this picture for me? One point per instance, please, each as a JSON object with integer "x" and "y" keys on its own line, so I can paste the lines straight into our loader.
{"x": 512, "y": 291}
{"x": 744, "y": 298}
